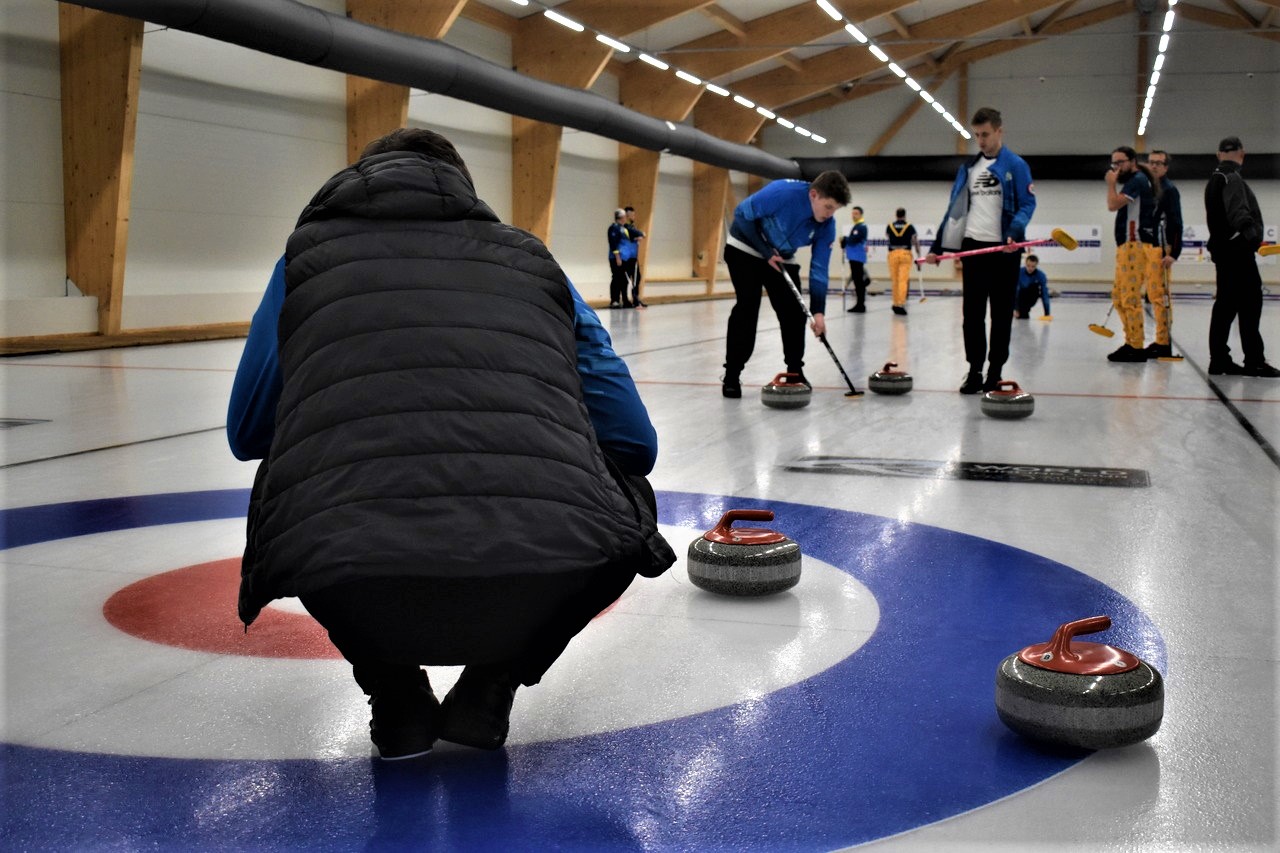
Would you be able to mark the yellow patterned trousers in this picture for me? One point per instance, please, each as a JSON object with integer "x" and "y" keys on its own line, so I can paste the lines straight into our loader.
{"x": 900, "y": 261}
{"x": 1138, "y": 270}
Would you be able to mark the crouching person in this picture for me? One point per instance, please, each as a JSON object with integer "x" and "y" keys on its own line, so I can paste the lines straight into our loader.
{"x": 453, "y": 455}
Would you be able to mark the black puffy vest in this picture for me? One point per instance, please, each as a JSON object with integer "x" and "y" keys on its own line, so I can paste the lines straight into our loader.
{"x": 432, "y": 422}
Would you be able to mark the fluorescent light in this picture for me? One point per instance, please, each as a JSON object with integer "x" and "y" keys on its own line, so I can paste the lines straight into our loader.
{"x": 521, "y": 2}
{"x": 831, "y": 10}
{"x": 800, "y": 130}
{"x": 766, "y": 113}
{"x": 1168, "y": 20}
{"x": 1159, "y": 61}
{"x": 1146, "y": 105}
{"x": 1146, "y": 113}
{"x": 913, "y": 84}
{"x": 656, "y": 63}
{"x": 856, "y": 33}
{"x": 897, "y": 69}
{"x": 1155, "y": 77}
{"x": 965, "y": 133}
{"x": 928, "y": 99}
{"x": 712, "y": 87}
{"x": 878, "y": 53}
{"x": 819, "y": 139}
{"x": 1173, "y": 3}
{"x": 563, "y": 21}
{"x": 688, "y": 78}
{"x": 948, "y": 117}
{"x": 1164, "y": 43}
{"x": 1151, "y": 91}
{"x": 613, "y": 43}
{"x": 751, "y": 105}
{"x": 937, "y": 106}
{"x": 787, "y": 124}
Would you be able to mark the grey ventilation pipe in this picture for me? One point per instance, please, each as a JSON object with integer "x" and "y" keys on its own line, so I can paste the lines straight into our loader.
{"x": 291, "y": 30}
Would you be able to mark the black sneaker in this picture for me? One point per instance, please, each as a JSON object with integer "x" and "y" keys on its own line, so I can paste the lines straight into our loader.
{"x": 972, "y": 383}
{"x": 900, "y": 310}
{"x": 615, "y": 304}
{"x": 405, "y": 722}
{"x": 1225, "y": 368}
{"x": 992, "y": 383}
{"x": 477, "y": 711}
{"x": 1262, "y": 370}
{"x": 731, "y": 387}
{"x": 1128, "y": 353}
{"x": 1155, "y": 350}
{"x": 800, "y": 377}
{"x": 858, "y": 309}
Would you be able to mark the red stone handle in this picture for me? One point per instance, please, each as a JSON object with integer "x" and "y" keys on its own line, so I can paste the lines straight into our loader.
{"x": 1060, "y": 645}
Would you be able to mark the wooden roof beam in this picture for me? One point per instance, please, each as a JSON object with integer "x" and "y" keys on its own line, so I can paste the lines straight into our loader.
{"x": 1222, "y": 21}
{"x": 723, "y": 17}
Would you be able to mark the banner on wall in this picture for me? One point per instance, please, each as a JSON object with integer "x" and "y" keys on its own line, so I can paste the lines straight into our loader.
{"x": 1195, "y": 239}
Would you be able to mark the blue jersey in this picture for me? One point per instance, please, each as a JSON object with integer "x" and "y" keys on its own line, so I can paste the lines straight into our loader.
{"x": 617, "y": 413}
{"x": 780, "y": 218}
{"x": 855, "y": 245}
{"x": 1136, "y": 221}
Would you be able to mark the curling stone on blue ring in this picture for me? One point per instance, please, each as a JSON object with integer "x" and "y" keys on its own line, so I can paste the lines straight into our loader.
{"x": 744, "y": 561}
{"x": 786, "y": 391}
{"x": 1008, "y": 401}
{"x": 890, "y": 381}
{"x": 1086, "y": 695}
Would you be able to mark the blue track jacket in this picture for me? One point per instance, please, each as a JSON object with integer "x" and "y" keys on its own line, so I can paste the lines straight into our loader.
{"x": 621, "y": 422}
{"x": 855, "y": 245}
{"x": 780, "y": 217}
{"x": 1018, "y": 197}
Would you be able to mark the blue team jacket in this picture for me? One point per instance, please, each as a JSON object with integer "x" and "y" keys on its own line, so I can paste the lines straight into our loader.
{"x": 1018, "y": 201}
{"x": 617, "y": 413}
{"x": 855, "y": 245}
{"x": 780, "y": 217}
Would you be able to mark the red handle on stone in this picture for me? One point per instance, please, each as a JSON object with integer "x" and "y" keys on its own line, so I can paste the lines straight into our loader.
{"x": 725, "y": 533}
{"x": 1060, "y": 645}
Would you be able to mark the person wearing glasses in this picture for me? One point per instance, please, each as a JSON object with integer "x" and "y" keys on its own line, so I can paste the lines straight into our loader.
{"x": 1169, "y": 231}
{"x": 1132, "y": 195}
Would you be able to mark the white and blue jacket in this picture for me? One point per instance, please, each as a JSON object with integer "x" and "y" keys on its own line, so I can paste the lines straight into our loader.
{"x": 1018, "y": 200}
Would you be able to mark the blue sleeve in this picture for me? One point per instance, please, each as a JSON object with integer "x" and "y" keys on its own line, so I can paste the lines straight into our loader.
{"x": 819, "y": 259}
{"x": 1134, "y": 186}
{"x": 251, "y": 413}
{"x": 617, "y": 413}
{"x": 1026, "y": 201}
{"x": 748, "y": 214}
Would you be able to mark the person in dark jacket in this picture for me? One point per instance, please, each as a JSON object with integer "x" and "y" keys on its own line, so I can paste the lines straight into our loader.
{"x": 634, "y": 236}
{"x": 1235, "y": 234}
{"x": 454, "y": 455}
{"x": 1169, "y": 236}
{"x": 855, "y": 252}
{"x": 621, "y": 251}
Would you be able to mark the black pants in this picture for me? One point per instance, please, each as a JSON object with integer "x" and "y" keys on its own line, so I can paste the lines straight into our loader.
{"x": 618, "y": 284}
{"x": 388, "y": 628}
{"x": 859, "y": 279}
{"x": 750, "y": 275}
{"x": 1239, "y": 294}
{"x": 990, "y": 278}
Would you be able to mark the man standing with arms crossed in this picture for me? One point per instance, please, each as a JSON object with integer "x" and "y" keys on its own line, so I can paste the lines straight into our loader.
{"x": 1131, "y": 193}
{"x": 1235, "y": 233}
{"x": 992, "y": 201}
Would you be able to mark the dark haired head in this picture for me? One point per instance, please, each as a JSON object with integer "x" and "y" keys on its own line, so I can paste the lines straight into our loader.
{"x": 1230, "y": 143}
{"x": 420, "y": 141}
{"x": 832, "y": 185}
{"x": 987, "y": 115}
{"x": 901, "y": 213}
{"x": 1033, "y": 258}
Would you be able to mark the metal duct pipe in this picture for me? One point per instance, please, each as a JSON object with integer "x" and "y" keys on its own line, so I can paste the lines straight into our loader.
{"x": 291, "y": 30}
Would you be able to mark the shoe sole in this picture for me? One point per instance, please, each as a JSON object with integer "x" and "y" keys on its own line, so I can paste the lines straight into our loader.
{"x": 382, "y": 757}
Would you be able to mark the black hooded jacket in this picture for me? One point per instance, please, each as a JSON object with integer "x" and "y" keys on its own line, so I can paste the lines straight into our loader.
{"x": 431, "y": 423}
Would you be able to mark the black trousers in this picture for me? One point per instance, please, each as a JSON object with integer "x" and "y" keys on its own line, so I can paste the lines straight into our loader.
{"x": 632, "y": 268}
{"x": 991, "y": 278}
{"x": 859, "y": 279}
{"x": 750, "y": 275}
{"x": 1238, "y": 295}
{"x": 618, "y": 283}
{"x": 388, "y": 628}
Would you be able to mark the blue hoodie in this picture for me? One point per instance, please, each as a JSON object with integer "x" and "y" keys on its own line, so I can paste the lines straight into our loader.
{"x": 1018, "y": 201}
{"x": 780, "y": 218}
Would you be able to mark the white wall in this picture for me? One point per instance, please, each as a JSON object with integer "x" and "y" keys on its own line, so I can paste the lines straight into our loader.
{"x": 231, "y": 144}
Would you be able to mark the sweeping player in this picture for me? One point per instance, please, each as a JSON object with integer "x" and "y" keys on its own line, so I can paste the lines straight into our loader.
{"x": 768, "y": 228}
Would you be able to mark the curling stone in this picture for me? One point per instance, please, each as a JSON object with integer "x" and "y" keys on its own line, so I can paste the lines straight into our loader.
{"x": 1087, "y": 695}
{"x": 1008, "y": 401}
{"x": 786, "y": 391}
{"x": 890, "y": 381}
{"x": 744, "y": 560}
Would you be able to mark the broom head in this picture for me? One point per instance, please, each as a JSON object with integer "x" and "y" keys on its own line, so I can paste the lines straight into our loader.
{"x": 1101, "y": 330}
{"x": 1065, "y": 240}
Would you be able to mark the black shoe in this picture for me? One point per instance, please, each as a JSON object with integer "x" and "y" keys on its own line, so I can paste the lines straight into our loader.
{"x": 972, "y": 383}
{"x": 477, "y": 711}
{"x": 992, "y": 383}
{"x": 615, "y": 305}
{"x": 1225, "y": 368}
{"x": 1128, "y": 353}
{"x": 858, "y": 309}
{"x": 1262, "y": 370}
{"x": 800, "y": 378}
{"x": 405, "y": 723}
{"x": 731, "y": 387}
{"x": 1155, "y": 350}
{"x": 900, "y": 310}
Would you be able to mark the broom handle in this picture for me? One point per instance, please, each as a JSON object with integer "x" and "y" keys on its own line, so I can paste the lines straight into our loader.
{"x": 989, "y": 249}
